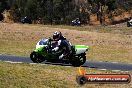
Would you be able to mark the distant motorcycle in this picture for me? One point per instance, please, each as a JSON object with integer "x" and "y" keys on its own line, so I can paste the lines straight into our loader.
{"x": 43, "y": 52}
{"x": 76, "y": 22}
{"x": 26, "y": 20}
{"x": 129, "y": 23}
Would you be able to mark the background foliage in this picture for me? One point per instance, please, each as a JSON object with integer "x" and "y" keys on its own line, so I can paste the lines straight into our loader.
{"x": 62, "y": 11}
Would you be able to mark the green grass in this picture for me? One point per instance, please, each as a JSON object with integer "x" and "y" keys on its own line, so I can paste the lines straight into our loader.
{"x": 16, "y": 48}
{"x": 110, "y": 54}
{"x": 100, "y": 29}
{"x": 105, "y": 44}
{"x": 47, "y": 76}
{"x": 18, "y": 39}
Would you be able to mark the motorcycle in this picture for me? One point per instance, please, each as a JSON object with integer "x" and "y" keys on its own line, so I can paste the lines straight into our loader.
{"x": 129, "y": 23}
{"x": 43, "y": 52}
{"x": 76, "y": 22}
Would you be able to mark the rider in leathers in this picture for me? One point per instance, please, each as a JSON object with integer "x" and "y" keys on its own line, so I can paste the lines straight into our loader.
{"x": 63, "y": 47}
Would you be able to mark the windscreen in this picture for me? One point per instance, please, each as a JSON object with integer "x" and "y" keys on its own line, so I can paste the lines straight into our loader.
{"x": 43, "y": 42}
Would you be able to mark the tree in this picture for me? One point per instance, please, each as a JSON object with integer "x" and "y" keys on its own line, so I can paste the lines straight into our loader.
{"x": 100, "y": 7}
{"x": 30, "y": 9}
{"x": 3, "y": 5}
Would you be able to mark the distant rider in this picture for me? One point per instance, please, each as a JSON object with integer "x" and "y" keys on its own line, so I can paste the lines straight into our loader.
{"x": 63, "y": 47}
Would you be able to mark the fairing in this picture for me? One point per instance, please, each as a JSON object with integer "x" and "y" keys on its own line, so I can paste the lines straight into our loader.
{"x": 79, "y": 49}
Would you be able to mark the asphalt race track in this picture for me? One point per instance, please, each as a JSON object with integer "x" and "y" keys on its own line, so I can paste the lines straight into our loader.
{"x": 89, "y": 64}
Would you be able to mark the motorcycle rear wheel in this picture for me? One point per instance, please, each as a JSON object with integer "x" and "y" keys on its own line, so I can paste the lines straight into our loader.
{"x": 78, "y": 61}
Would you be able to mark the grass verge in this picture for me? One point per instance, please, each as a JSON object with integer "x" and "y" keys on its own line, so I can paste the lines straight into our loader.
{"x": 114, "y": 45}
{"x": 48, "y": 76}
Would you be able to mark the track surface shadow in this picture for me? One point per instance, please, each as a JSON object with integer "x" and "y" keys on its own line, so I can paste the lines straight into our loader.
{"x": 87, "y": 64}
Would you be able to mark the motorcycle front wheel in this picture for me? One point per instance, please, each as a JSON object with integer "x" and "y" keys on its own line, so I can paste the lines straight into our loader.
{"x": 36, "y": 58}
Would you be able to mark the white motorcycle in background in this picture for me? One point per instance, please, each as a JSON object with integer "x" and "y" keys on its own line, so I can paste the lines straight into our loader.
{"x": 129, "y": 23}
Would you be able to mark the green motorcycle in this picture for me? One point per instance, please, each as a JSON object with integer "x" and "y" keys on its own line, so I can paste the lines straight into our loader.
{"x": 43, "y": 52}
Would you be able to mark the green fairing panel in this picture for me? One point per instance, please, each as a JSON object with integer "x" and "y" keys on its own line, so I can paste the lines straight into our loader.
{"x": 80, "y": 49}
{"x": 81, "y": 46}
{"x": 39, "y": 50}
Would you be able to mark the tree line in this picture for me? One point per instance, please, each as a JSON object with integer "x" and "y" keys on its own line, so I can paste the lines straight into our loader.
{"x": 62, "y": 11}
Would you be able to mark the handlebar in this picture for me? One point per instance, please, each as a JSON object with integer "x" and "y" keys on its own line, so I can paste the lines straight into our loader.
{"x": 50, "y": 40}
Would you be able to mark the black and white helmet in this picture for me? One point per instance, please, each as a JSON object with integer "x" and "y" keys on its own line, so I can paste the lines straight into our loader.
{"x": 57, "y": 35}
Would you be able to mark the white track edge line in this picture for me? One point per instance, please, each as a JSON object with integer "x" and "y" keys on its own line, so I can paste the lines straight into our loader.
{"x": 66, "y": 66}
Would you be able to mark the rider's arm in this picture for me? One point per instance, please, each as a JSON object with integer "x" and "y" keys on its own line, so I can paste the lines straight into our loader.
{"x": 57, "y": 47}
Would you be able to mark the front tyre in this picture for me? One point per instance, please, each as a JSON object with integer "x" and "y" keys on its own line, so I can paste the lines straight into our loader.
{"x": 36, "y": 58}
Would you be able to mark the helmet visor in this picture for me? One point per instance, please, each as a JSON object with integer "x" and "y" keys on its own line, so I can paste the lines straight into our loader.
{"x": 55, "y": 37}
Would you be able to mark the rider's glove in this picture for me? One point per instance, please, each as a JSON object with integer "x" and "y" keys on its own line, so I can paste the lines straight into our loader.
{"x": 61, "y": 56}
{"x": 53, "y": 50}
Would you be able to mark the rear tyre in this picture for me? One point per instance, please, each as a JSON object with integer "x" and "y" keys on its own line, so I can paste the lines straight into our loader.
{"x": 78, "y": 61}
{"x": 82, "y": 59}
{"x": 36, "y": 58}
